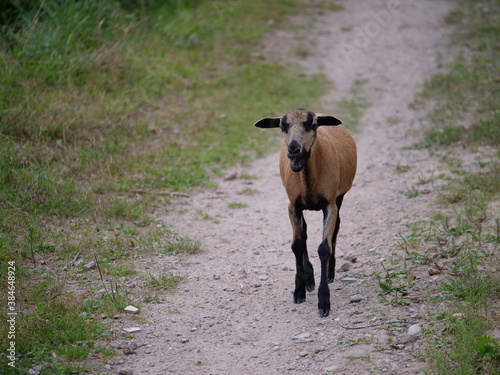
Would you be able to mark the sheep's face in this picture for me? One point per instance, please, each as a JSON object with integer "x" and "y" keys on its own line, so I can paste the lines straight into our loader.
{"x": 299, "y": 127}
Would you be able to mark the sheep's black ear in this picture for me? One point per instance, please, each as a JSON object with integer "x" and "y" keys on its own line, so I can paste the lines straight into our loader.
{"x": 328, "y": 121}
{"x": 271, "y": 122}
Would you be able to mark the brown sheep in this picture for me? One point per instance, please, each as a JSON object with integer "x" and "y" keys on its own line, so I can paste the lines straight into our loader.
{"x": 317, "y": 167}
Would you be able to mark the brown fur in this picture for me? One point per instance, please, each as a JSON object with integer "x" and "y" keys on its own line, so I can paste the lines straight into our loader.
{"x": 322, "y": 180}
{"x": 330, "y": 169}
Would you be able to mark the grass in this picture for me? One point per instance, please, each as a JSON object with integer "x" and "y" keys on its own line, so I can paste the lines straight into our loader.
{"x": 109, "y": 109}
{"x": 351, "y": 110}
{"x": 165, "y": 281}
{"x": 464, "y": 103}
{"x": 463, "y": 236}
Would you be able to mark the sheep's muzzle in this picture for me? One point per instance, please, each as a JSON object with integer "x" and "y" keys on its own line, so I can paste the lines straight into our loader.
{"x": 298, "y": 156}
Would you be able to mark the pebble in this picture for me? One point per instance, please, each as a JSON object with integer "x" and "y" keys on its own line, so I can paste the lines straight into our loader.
{"x": 352, "y": 258}
{"x": 131, "y": 309}
{"x": 356, "y": 298}
{"x": 303, "y": 337}
{"x": 405, "y": 338}
{"x": 126, "y": 371}
{"x": 263, "y": 277}
{"x": 216, "y": 277}
{"x": 303, "y": 353}
{"x": 132, "y": 329}
{"x": 184, "y": 341}
{"x": 89, "y": 265}
{"x": 345, "y": 267}
{"x": 257, "y": 285}
{"x": 414, "y": 329}
{"x": 333, "y": 369}
{"x": 348, "y": 280}
{"x": 132, "y": 345}
{"x": 115, "y": 344}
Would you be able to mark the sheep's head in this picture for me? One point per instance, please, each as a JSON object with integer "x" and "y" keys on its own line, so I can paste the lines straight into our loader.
{"x": 299, "y": 127}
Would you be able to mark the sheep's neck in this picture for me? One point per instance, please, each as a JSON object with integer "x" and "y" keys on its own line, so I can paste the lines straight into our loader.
{"x": 309, "y": 179}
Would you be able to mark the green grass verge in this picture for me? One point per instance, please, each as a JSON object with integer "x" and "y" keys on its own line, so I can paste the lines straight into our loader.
{"x": 463, "y": 339}
{"x": 106, "y": 108}
{"x": 464, "y": 99}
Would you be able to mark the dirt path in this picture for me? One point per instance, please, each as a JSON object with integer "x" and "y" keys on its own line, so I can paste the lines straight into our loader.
{"x": 234, "y": 315}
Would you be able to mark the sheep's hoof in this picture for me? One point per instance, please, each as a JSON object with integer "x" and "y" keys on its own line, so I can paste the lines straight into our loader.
{"x": 298, "y": 299}
{"x": 324, "y": 312}
{"x": 323, "y": 307}
{"x": 310, "y": 288}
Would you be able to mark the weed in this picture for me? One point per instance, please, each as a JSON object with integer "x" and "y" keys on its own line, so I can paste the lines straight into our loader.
{"x": 248, "y": 191}
{"x": 165, "y": 281}
{"x": 395, "y": 283}
{"x": 235, "y": 205}
{"x": 403, "y": 168}
{"x": 113, "y": 294}
{"x": 394, "y": 120}
{"x": 411, "y": 192}
{"x": 422, "y": 180}
{"x": 354, "y": 358}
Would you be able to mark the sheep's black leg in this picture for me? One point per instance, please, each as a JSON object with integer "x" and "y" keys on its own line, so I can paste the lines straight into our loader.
{"x": 308, "y": 268}
{"x": 331, "y": 266}
{"x": 323, "y": 289}
{"x": 330, "y": 213}
{"x": 303, "y": 266}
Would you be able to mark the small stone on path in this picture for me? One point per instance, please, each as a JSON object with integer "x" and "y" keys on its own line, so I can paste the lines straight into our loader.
{"x": 414, "y": 329}
{"x": 356, "y": 298}
{"x": 126, "y": 371}
{"x": 89, "y": 265}
{"x": 332, "y": 369}
{"x": 131, "y": 309}
{"x": 405, "y": 338}
{"x": 115, "y": 344}
{"x": 348, "y": 280}
{"x": 345, "y": 267}
{"x": 132, "y": 329}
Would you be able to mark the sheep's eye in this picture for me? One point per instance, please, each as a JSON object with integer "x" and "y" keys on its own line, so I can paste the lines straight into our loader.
{"x": 308, "y": 126}
{"x": 284, "y": 127}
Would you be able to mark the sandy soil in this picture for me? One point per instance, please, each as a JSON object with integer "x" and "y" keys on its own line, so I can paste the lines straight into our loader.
{"x": 235, "y": 315}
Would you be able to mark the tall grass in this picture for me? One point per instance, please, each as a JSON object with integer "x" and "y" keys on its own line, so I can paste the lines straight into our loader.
{"x": 106, "y": 107}
{"x": 465, "y": 116}
{"x": 466, "y": 106}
